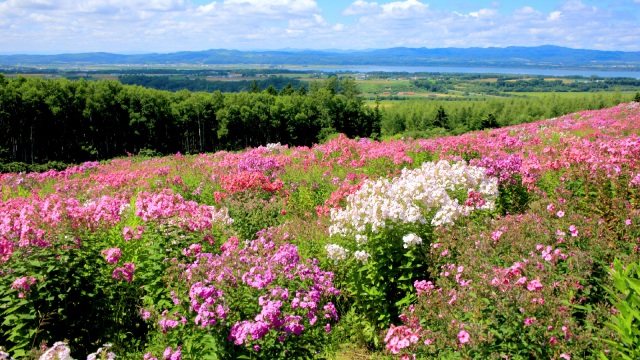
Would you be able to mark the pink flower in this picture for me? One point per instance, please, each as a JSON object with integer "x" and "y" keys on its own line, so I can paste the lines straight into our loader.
{"x": 534, "y": 285}
{"x": 560, "y": 213}
{"x": 23, "y": 284}
{"x": 125, "y": 272}
{"x": 529, "y": 321}
{"x": 566, "y": 356}
{"x": 112, "y": 255}
{"x": 463, "y": 337}
{"x": 573, "y": 230}
{"x": 627, "y": 222}
{"x": 553, "y": 341}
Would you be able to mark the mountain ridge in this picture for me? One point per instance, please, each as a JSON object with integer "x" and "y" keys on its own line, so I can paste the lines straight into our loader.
{"x": 545, "y": 55}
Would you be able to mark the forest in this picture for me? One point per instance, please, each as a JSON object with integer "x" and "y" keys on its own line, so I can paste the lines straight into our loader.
{"x": 174, "y": 83}
{"x": 75, "y": 121}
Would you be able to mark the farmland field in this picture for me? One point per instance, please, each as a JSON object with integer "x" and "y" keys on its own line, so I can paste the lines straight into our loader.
{"x": 518, "y": 243}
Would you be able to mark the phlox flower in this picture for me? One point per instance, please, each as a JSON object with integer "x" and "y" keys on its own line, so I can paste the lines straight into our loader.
{"x": 125, "y": 272}
{"x": 23, "y": 284}
{"x": 411, "y": 240}
{"x": 112, "y": 255}
{"x": 59, "y": 351}
{"x": 170, "y": 355}
{"x": 534, "y": 285}
{"x": 336, "y": 252}
{"x": 362, "y": 256}
{"x": 98, "y": 354}
{"x": 573, "y": 230}
{"x": 423, "y": 286}
{"x": 463, "y": 337}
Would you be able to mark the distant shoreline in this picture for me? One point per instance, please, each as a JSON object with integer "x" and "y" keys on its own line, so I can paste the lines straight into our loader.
{"x": 471, "y": 70}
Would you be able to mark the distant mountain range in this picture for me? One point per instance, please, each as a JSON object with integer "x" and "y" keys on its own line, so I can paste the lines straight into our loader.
{"x": 513, "y": 56}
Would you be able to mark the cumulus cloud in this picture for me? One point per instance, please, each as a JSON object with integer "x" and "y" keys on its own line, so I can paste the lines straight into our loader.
{"x": 404, "y": 9}
{"x": 361, "y": 7}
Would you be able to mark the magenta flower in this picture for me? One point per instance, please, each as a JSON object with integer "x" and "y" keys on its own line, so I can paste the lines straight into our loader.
{"x": 529, "y": 321}
{"x": 23, "y": 284}
{"x": 560, "y": 213}
{"x": 627, "y": 222}
{"x": 125, "y": 272}
{"x": 112, "y": 255}
{"x": 463, "y": 337}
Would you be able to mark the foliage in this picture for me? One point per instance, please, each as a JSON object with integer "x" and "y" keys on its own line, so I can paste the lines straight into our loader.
{"x": 626, "y": 304}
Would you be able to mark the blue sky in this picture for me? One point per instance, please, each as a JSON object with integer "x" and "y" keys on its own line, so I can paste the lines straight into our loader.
{"x": 140, "y": 26}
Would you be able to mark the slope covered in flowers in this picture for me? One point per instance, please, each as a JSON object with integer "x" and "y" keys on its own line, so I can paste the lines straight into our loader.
{"x": 486, "y": 245}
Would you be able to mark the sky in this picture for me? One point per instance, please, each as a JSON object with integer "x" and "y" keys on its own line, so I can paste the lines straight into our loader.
{"x": 162, "y": 26}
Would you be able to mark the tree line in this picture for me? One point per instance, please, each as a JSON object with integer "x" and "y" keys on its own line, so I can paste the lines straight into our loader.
{"x": 75, "y": 121}
{"x": 421, "y": 119}
{"x": 176, "y": 83}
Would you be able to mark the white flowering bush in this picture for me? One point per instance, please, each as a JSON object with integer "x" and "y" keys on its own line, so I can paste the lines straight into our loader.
{"x": 386, "y": 228}
{"x": 414, "y": 195}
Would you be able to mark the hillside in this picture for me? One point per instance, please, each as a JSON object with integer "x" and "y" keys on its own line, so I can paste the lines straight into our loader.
{"x": 513, "y": 56}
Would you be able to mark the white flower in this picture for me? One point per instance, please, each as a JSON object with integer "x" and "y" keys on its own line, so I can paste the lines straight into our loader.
{"x": 411, "y": 240}
{"x": 406, "y": 199}
{"x": 361, "y": 256}
{"x": 59, "y": 351}
{"x": 336, "y": 252}
{"x": 361, "y": 239}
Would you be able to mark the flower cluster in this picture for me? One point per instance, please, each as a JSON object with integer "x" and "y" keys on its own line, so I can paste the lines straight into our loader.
{"x": 112, "y": 255}
{"x": 125, "y": 272}
{"x": 266, "y": 270}
{"x": 102, "y": 353}
{"x": 407, "y": 198}
{"x": 23, "y": 284}
{"x": 59, "y": 351}
{"x": 336, "y": 252}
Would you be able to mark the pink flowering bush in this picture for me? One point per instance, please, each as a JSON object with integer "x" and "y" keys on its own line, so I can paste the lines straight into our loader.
{"x": 533, "y": 291}
{"x": 256, "y": 298}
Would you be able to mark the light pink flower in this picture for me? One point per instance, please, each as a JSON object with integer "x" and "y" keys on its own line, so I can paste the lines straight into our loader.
{"x": 463, "y": 337}
{"x": 560, "y": 213}
{"x": 534, "y": 285}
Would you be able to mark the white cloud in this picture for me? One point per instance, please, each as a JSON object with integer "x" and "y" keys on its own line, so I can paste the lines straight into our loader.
{"x": 555, "y": 15}
{"x": 404, "y": 9}
{"x": 361, "y": 7}
{"x": 171, "y": 25}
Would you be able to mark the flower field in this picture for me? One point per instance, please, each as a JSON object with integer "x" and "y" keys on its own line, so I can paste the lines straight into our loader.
{"x": 515, "y": 243}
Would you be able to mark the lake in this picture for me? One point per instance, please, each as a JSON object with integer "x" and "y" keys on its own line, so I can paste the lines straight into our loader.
{"x": 474, "y": 70}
